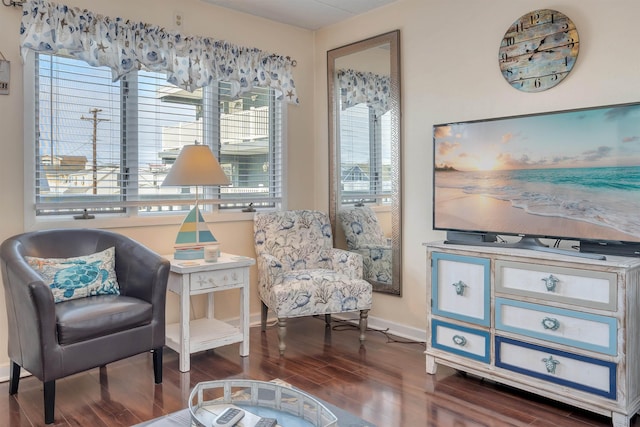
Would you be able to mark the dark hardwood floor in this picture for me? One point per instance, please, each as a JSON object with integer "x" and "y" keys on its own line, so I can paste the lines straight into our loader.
{"x": 383, "y": 382}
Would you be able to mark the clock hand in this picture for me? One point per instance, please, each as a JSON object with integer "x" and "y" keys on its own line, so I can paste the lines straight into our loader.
{"x": 537, "y": 49}
{"x": 541, "y": 51}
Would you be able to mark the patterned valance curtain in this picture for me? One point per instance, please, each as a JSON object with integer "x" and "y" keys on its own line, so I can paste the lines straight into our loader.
{"x": 124, "y": 46}
{"x": 364, "y": 87}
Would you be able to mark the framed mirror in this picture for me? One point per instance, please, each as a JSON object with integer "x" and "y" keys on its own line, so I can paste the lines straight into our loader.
{"x": 365, "y": 188}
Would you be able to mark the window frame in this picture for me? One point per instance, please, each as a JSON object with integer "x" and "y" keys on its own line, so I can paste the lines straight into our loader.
{"x": 131, "y": 217}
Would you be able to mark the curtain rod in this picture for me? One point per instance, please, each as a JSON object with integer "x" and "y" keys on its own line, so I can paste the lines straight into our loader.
{"x": 13, "y": 3}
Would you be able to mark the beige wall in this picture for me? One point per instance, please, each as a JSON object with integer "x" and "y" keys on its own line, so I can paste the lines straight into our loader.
{"x": 450, "y": 72}
{"x": 235, "y": 232}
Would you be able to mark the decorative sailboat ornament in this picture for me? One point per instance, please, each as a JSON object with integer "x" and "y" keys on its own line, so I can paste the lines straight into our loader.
{"x": 193, "y": 236}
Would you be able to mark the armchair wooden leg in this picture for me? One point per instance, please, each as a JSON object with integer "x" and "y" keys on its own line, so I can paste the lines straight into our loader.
{"x": 263, "y": 316}
{"x": 157, "y": 365}
{"x": 364, "y": 314}
{"x": 14, "y": 377}
{"x": 327, "y": 320}
{"x": 282, "y": 332}
{"x": 49, "y": 401}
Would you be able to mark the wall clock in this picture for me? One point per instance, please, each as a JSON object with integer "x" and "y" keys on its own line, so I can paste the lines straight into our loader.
{"x": 539, "y": 50}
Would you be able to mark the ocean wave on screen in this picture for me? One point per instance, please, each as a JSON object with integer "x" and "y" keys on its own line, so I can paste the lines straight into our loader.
{"x": 605, "y": 197}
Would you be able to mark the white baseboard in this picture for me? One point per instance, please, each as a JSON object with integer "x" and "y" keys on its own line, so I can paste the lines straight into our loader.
{"x": 4, "y": 373}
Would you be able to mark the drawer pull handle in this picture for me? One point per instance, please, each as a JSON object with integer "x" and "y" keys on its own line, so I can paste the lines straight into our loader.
{"x": 550, "y": 282}
{"x": 459, "y": 285}
{"x": 550, "y": 363}
{"x": 550, "y": 323}
{"x": 459, "y": 340}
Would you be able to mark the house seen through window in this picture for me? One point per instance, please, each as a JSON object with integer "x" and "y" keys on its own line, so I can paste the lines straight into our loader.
{"x": 106, "y": 146}
{"x": 365, "y": 156}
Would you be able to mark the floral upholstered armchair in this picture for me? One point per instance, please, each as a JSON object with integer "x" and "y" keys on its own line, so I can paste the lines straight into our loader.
{"x": 301, "y": 274}
{"x": 364, "y": 236}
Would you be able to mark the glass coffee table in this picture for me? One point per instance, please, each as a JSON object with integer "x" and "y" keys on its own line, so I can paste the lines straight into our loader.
{"x": 289, "y": 406}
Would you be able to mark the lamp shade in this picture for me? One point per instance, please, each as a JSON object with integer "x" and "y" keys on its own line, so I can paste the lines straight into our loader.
{"x": 196, "y": 165}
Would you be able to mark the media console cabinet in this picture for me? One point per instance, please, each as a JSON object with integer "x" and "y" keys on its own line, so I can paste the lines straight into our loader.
{"x": 562, "y": 327}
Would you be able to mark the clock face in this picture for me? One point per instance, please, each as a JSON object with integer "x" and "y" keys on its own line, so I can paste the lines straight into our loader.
{"x": 539, "y": 50}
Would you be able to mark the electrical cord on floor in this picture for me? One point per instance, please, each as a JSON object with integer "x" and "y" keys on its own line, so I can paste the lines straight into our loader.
{"x": 274, "y": 322}
{"x": 344, "y": 325}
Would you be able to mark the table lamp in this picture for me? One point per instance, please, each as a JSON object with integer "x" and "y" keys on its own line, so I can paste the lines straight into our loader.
{"x": 196, "y": 165}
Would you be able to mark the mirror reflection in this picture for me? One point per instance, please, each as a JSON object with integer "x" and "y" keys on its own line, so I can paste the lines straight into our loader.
{"x": 364, "y": 119}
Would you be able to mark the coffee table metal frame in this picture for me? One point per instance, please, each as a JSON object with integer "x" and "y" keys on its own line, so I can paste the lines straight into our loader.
{"x": 249, "y": 394}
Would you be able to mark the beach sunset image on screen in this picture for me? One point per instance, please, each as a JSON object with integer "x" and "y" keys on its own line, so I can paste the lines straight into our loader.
{"x": 570, "y": 174}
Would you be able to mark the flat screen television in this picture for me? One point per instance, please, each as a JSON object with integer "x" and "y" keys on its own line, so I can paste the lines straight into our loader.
{"x": 566, "y": 175}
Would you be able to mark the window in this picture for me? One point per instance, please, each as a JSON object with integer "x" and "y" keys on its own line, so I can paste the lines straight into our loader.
{"x": 106, "y": 146}
{"x": 365, "y": 156}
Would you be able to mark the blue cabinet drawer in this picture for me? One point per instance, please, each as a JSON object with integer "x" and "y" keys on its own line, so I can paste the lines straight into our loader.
{"x": 566, "y": 369}
{"x": 460, "y": 340}
{"x": 583, "y": 288}
{"x": 569, "y": 327}
{"x": 460, "y": 288}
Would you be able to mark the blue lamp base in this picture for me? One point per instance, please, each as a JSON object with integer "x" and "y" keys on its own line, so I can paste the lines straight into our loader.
{"x": 189, "y": 253}
{"x": 193, "y": 236}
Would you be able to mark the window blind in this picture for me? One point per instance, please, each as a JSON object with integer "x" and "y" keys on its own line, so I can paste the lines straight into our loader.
{"x": 106, "y": 146}
{"x": 365, "y": 155}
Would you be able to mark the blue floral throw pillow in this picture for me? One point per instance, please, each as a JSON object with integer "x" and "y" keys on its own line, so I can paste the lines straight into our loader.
{"x": 78, "y": 277}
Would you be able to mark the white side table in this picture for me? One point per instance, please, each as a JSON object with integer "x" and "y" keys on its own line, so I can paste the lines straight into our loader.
{"x": 195, "y": 277}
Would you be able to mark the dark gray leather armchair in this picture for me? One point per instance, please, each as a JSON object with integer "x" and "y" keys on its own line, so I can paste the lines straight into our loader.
{"x": 52, "y": 341}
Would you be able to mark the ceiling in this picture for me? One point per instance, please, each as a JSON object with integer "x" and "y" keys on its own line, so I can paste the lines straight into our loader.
{"x": 309, "y": 14}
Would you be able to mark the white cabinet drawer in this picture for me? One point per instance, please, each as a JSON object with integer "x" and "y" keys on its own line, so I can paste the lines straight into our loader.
{"x": 572, "y": 328}
{"x": 460, "y": 340}
{"x": 559, "y": 367}
{"x": 201, "y": 281}
{"x": 595, "y": 289}
{"x": 460, "y": 287}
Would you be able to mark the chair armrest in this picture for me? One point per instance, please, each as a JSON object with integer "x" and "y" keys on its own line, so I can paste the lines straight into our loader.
{"x": 269, "y": 271}
{"x": 30, "y": 312}
{"x": 348, "y": 263}
{"x": 141, "y": 272}
{"x": 144, "y": 274}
